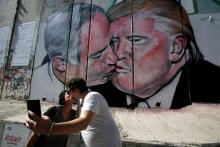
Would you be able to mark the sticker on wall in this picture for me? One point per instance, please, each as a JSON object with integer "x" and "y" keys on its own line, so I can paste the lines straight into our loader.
{"x": 15, "y": 135}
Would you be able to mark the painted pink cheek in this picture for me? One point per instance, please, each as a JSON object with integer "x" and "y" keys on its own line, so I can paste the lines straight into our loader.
{"x": 126, "y": 81}
{"x": 96, "y": 68}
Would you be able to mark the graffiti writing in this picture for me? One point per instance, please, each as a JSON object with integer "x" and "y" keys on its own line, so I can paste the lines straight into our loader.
{"x": 12, "y": 139}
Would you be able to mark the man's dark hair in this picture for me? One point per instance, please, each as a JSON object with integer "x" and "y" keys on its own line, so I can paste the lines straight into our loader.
{"x": 62, "y": 97}
{"x": 78, "y": 83}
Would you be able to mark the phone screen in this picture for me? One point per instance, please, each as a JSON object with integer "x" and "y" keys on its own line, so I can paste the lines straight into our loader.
{"x": 34, "y": 106}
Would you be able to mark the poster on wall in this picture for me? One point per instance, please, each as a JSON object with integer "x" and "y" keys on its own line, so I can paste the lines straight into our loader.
{"x": 14, "y": 135}
{"x": 23, "y": 44}
{"x": 4, "y": 32}
{"x": 135, "y": 53}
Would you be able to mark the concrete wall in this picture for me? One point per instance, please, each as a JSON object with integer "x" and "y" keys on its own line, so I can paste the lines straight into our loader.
{"x": 8, "y": 11}
{"x": 27, "y": 80}
{"x": 195, "y": 125}
{"x": 15, "y": 80}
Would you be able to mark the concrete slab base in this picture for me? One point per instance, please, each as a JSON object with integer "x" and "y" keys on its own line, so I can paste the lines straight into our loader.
{"x": 195, "y": 125}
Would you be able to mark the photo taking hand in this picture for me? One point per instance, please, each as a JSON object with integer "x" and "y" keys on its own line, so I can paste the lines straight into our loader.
{"x": 37, "y": 124}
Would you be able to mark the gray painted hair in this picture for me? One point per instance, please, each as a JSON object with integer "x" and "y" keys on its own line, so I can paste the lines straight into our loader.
{"x": 63, "y": 29}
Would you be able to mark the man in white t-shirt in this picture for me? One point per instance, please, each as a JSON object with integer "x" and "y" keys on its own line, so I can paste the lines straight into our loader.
{"x": 95, "y": 121}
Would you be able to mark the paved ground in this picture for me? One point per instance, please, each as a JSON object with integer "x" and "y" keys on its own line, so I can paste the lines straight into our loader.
{"x": 195, "y": 125}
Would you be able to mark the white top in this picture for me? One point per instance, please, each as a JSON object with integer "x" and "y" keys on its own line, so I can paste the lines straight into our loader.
{"x": 102, "y": 130}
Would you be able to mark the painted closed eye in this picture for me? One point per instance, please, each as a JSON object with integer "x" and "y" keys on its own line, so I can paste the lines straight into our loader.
{"x": 95, "y": 56}
{"x": 98, "y": 54}
{"x": 139, "y": 40}
{"x": 114, "y": 42}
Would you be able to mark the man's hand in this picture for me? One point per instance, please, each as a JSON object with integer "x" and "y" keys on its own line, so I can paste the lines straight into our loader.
{"x": 38, "y": 125}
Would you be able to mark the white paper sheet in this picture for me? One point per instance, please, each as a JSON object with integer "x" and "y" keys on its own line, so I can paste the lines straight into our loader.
{"x": 23, "y": 44}
{"x": 4, "y": 31}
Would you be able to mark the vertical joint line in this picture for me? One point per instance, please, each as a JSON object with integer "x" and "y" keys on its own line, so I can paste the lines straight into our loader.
{"x": 132, "y": 51}
{"x": 187, "y": 68}
{"x": 68, "y": 46}
{"x": 88, "y": 43}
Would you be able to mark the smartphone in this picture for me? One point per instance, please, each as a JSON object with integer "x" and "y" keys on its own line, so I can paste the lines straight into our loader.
{"x": 34, "y": 106}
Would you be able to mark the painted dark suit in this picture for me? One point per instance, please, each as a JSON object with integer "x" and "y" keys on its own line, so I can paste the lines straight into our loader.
{"x": 198, "y": 83}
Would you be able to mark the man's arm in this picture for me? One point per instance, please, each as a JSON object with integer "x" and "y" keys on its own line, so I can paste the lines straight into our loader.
{"x": 74, "y": 125}
{"x": 42, "y": 125}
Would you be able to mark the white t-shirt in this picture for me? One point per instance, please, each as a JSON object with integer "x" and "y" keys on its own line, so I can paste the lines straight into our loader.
{"x": 102, "y": 130}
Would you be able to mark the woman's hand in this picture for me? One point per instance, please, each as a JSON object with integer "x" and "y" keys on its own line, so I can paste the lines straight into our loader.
{"x": 38, "y": 125}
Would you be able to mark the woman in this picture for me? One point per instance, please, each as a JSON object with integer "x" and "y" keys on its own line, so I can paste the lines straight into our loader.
{"x": 61, "y": 113}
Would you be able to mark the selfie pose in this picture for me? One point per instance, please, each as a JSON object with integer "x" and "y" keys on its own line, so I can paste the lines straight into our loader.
{"x": 61, "y": 113}
{"x": 95, "y": 122}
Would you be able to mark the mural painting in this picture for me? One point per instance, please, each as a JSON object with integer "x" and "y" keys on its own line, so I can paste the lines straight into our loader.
{"x": 136, "y": 53}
